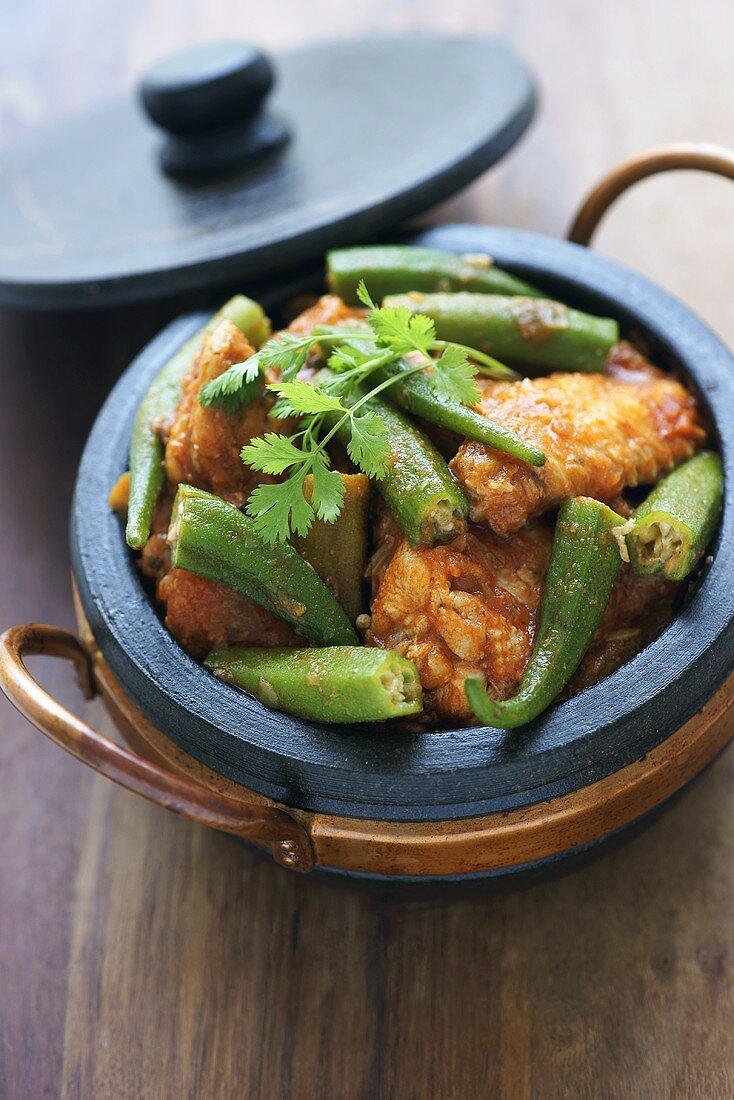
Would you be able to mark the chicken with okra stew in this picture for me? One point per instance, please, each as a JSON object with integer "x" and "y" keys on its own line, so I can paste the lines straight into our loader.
{"x": 436, "y": 493}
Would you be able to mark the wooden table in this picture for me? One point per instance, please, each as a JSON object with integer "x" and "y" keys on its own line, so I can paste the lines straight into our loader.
{"x": 144, "y": 957}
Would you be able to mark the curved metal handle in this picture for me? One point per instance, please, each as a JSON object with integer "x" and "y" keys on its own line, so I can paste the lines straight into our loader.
{"x": 286, "y": 838}
{"x": 664, "y": 158}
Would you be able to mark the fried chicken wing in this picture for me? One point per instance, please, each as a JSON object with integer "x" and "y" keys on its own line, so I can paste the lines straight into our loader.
{"x": 200, "y": 613}
{"x": 471, "y": 606}
{"x": 453, "y": 609}
{"x": 601, "y": 433}
{"x": 203, "y": 444}
{"x": 203, "y": 448}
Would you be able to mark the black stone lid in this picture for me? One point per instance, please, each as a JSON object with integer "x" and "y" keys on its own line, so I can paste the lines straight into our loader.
{"x": 243, "y": 168}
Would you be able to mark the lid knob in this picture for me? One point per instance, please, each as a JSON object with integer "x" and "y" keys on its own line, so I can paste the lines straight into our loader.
{"x": 208, "y": 99}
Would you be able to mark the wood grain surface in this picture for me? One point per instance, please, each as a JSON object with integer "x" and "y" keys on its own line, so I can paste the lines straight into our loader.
{"x": 144, "y": 957}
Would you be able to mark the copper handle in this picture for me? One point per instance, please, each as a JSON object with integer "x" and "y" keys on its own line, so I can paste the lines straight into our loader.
{"x": 277, "y": 830}
{"x": 664, "y": 158}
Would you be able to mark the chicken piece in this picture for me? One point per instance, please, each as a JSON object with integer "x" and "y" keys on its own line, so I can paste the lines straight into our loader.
{"x": 471, "y": 606}
{"x": 601, "y": 433}
{"x": 203, "y": 444}
{"x": 202, "y": 614}
{"x": 203, "y": 448}
{"x": 453, "y": 609}
{"x": 328, "y": 310}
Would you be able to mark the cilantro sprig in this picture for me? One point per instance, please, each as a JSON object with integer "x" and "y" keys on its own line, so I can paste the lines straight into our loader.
{"x": 337, "y": 404}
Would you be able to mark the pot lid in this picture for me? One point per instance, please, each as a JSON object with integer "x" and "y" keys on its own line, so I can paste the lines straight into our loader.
{"x": 227, "y": 167}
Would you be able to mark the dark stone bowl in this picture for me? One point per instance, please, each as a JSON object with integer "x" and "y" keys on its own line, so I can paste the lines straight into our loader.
{"x": 436, "y": 775}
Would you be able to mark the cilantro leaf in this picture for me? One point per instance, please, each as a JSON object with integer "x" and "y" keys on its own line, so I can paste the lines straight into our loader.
{"x": 364, "y": 295}
{"x": 328, "y": 489}
{"x": 238, "y": 385}
{"x": 454, "y": 377}
{"x": 402, "y": 331}
{"x": 279, "y": 509}
{"x": 340, "y": 385}
{"x": 304, "y": 398}
{"x": 287, "y": 354}
{"x": 272, "y": 453}
{"x": 348, "y": 357}
{"x": 282, "y": 410}
{"x": 368, "y": 447}
{"x": 326, "y": 407}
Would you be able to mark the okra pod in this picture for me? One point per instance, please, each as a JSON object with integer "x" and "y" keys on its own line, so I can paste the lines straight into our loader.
{"x": 211, "y": 537}
{"x": 395, "y": 269}
{"x": 338, "y": 551}
{"x": 417, "y": 396}
{"x": 344, "y": 684}
{"x": 582, "y": 570}
{"x": 671, "y": 529}
{"x": 418, "y": 487}
{"x": 146, "y": 449}
{"x": 524, "y": 330}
